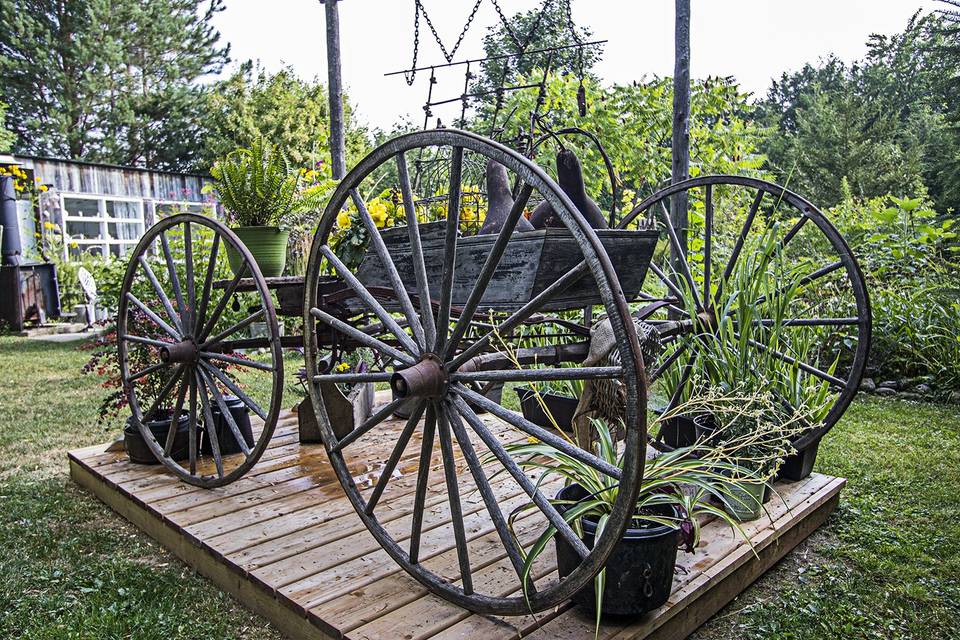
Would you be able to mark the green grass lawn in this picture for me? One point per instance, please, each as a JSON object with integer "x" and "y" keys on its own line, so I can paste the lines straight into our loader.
{"x": 887, "y": 565}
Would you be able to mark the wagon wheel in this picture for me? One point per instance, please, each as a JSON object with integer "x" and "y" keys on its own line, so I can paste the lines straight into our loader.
{"x": 759, "y": 255}
{"x": 176, "y": 334}
{"x": 431, "y": 335}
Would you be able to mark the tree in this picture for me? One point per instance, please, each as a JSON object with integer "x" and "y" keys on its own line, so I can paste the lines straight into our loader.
{"x": 280, "y": 107}
{"x": 6, "y": 136}
{"x": 108, "y": 80}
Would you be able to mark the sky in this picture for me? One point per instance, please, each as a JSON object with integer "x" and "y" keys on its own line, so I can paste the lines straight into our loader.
{"x": 752, "y": 40}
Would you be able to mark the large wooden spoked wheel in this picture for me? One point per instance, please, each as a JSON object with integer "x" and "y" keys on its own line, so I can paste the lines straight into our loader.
{"x": 449, "y": 530}
{"x": 174, "y": 329}
{"x": 769, "y": 274}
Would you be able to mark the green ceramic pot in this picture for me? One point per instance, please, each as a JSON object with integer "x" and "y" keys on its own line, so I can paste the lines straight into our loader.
{"x": 268, "y": 245}
{"x": 745, "y": 501}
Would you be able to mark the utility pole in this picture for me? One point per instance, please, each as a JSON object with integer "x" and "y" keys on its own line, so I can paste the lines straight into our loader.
{"x": 335, "y": 91}
{"x": 680, "y": 169}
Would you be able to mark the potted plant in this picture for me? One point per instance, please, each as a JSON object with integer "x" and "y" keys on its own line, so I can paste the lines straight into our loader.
{"x": 675, "y": 493}
{"x": 552, "y": 404}
{"x": 261, "y": 192}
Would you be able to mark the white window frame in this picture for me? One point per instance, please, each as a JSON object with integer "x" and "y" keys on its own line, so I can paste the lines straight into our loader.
{"x": 105, "y": 241}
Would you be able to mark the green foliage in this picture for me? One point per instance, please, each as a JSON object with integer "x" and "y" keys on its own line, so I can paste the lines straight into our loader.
{"x": 109, "y": 80}
{"x": 7, "y": 137}
{"x": 294, "y": 114}
{"x": 260, "y": 188}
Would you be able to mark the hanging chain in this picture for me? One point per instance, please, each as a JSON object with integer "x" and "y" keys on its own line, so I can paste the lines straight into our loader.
{"x": 466, "y": 27}
{"x": 581, "y": 90}
{"x": 410, "y": 77}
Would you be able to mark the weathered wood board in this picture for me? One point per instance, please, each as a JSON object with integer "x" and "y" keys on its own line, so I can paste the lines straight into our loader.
{"x": 285, "y": 542}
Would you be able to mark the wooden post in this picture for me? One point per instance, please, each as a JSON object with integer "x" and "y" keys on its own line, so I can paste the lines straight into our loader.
{"x": 335, "y": 91}
{"x": 681, "y": 124}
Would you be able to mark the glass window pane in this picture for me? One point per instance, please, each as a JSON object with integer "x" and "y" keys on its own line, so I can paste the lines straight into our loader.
{"x": 120, "y": 250}
{"x": 91, "y": 249}
{"x": 81, "y": 207}
{"x": 123, "y": 209}
{"x": 83, "y": 230}
{"x": 123, "y": 231}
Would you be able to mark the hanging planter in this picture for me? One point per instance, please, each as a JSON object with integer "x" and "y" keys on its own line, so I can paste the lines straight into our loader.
{"x": 267, "y": 245}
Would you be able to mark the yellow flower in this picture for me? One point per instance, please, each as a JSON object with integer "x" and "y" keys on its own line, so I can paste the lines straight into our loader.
{"x": 49, "y": 225}
{"x": 343, "y": 220}
{"x": 378, "y": 211}
{"x": 74, "y": 245}
{"x": 43, "y": 188}
{"x": 343, "y": 366}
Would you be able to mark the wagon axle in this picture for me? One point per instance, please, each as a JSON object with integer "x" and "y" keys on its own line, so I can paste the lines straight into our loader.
{"x": 426, "y": 379}
{"x": 184, "y": 351}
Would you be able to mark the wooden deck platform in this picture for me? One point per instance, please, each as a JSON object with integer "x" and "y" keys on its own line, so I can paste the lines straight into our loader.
{"x": 285, "y": 542}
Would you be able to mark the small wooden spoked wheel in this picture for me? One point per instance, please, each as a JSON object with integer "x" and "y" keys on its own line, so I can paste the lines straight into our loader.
{"x": 768, "y": 273}
{"x": 177, "y": 337}
{"x": 433, "y": 307}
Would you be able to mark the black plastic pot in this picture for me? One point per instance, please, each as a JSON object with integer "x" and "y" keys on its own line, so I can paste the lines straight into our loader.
{"x": 140, "y": 453}
{"x": 678, "y": 431}
{"x": 640, "y": 570}
{"x": 225, "y": 439}
{"x": 799, "y": 465}
{"x": 704, "y": 426}
{"x": 561, "y": 407}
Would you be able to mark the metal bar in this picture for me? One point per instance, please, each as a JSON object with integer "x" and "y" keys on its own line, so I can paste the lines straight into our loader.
{"x": 489, "y": 499}
{"x": 154, "y": 317}
{"x": 394, "y": 458}
{"x": 423, "y": 477}
{"x": 207, "y": 283}
{"x": 172, "y": 271}
{"x": 538, "y": 375}
{"x": 386, "y": 261}
{"x": 453, "y": 496}
{"x": 450, "y": 245}
{"x": 240, "y": 362}
{"x": 382, "y": 414}
{"x": 233, "y": 329}
{"x": 164, "y": 300}
{"x": 225, "y": 411}
{"x": 234, "y": 389}
{"x": 208, "y": 424}
{"x": 222, "y": 304}
{"x": 538, "y": 432}
{"x": 707, "y": 243}
{"x": 487, "y": 271}
{"x": 497, "y": 449}
{"x": 521, "y": 314}
{"x": 416, "y": 254}
{"x": 361, "y": 337}
{"x": 367, "y": 298}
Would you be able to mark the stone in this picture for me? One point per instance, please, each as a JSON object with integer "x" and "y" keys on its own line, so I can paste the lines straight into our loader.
{"x": 885, "y": 391}
{"x": 909, "y": 395}
{"x": 889, "y": 384}
{"x": 868, "y": 385}
{"x": 922, "y": 388}
{"x": 955, "y": 397}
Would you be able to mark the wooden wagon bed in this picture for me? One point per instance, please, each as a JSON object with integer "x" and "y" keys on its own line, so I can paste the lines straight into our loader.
{"x": 285, "y": 541}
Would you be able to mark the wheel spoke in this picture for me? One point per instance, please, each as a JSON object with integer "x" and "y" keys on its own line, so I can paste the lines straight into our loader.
{"x": 804, "y": 281}
{"x": 207, "y": 284}
{"x": 222, "y": 303}
{"x": 684, "y": 378}
{"x": 673, "y": 357}
{"x": 707, "y": 243}
{"x": 489, "y": 499}
{"x": 521, "y": 314}
{"x": 497, "y": 449}
{"x": 157, "y": 320}
{"x": 174, "y": 277}
{"x": 381, "y": 414}
{"x": 149, "y": 341}
{"x": 243, "y": 324}
{"x": 423, "y": 477}
{"x": 164, "y": 300}
{"x": 234, "y": 389}
{"x": 416, "y": 254}
{"x": 164, "y": 391}
{"x": 391, "y": 464}
{"x": 538, "y": 375}
{"x": 808, "y": 322}
{"x": 487, "y": 271}
{"x": 175, "y": 416}
{"x": 367, "y": 298}
{"x": 192, "y": 427}
{"x": 738, "y": 245}
{"x": 538, "y": 432}
{"x": 450, "y": 246}
{"x": 240, "y": 362}
{"x": 670, "y": 284}
{"x": 823, "y": 375}
{"x": 146, "y": 371}
{"x": 225, "y": 411}
{"x": 352, "y": 378}
{"x": 210, "y": 428}
{"x": 191, "y": 288}
{"x": 453, "y": 496}
{"x": 360, "y": 336}
{"x": 386, "y": 261}
{"x": 681, "y": 254}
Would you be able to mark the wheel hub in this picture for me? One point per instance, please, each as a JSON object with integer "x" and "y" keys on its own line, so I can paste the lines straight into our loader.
{"x": 183, "y": 351}
{"x": 426, "y": 379}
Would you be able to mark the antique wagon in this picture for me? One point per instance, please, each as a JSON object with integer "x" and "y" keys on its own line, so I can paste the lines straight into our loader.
{"x": 441, "y": 316}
